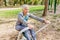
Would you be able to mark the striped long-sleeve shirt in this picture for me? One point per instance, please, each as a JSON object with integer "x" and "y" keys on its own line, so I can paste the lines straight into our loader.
{"x": 23, "y": 20}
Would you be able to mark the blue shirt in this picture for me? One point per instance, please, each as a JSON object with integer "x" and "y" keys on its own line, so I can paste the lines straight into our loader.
{"x": 26, "y": 18}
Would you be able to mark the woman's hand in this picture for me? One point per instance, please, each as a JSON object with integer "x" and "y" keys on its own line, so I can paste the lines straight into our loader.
{"x": 30, "y": 26}
{"x": 47, "y": 22}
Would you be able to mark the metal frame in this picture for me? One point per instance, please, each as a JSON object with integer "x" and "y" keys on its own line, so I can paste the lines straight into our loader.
{"x": 18, "y": 38}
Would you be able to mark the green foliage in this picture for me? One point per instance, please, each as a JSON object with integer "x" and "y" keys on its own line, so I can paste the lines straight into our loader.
{"x": 30, "y": 2}
{"x": 36, "y": 8}
{"x": 9, "y": 13}
{"x": 13, "y": 13}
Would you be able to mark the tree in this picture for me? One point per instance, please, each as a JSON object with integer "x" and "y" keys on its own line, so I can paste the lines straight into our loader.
{"x": 1, "y": 2}
{"x": 45, "y": 9}
{"x": 5, "y": 3}
{"x": 42, "y": 2}
{"x": 15, "y": 1}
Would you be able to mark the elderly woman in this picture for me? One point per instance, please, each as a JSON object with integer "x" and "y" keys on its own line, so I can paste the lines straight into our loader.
{"x": 23, "y": 22}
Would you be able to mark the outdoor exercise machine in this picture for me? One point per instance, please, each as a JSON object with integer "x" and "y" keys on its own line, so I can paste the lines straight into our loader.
{"x": 23, "y": 30}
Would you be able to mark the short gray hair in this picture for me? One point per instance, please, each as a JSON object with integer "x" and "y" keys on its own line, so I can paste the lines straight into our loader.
{"x": 25, "y": 6}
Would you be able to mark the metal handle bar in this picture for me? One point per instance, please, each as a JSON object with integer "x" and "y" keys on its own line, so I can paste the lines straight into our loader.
{"x": 23, "y": 30}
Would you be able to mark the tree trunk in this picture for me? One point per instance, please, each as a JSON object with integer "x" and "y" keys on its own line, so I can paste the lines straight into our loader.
{"x": 5, "y": 3}
{"x": 1, "y": 2}
{"x": 15, "y": 2}
{"x": 42, "y": 2}
{"x": 33, "y": 2}
{"x": 11, "y": 2}
{"x": 45, "y": 9}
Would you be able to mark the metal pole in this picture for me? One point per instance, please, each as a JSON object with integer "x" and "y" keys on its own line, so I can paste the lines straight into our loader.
{"x": 18, "y": 38}
{"x": 42, "y": 28}
{"x": 28, "y": 28}
{"x": 55, "y": 2}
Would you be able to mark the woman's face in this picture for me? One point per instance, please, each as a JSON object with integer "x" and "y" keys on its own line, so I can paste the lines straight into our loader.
{"x": 25, "y": 11}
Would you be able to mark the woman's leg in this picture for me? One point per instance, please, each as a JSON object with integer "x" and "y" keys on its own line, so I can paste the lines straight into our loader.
{"x": 33, "y": 34}
{"x": 19, "y": 27}
{"x": 27, "y": 34}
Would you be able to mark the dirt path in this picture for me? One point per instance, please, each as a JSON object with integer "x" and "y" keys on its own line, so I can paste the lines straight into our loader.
{"x": 58, "y": 9}
{"x": 8, "y": 9}
{"x": 8, "y": 32}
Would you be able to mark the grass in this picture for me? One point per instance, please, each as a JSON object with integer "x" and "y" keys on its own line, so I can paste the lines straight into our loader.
{"x": 13, "y": 13}
{"x": 36, "y": 8}
{"x": 9, "y": 13}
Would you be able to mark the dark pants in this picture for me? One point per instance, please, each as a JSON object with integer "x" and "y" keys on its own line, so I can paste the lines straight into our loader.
{"x": 27, "y": 33}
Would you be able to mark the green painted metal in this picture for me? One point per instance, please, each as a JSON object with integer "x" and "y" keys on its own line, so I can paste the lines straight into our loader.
{"x": 55, "y": 3}
{"x": 48, "y": 4}
{"x": 51, "y": 3}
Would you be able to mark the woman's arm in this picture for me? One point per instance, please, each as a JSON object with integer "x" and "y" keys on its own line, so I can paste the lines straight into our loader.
{"x": 20, "y": 18}
{"x": 38, "y": 18}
